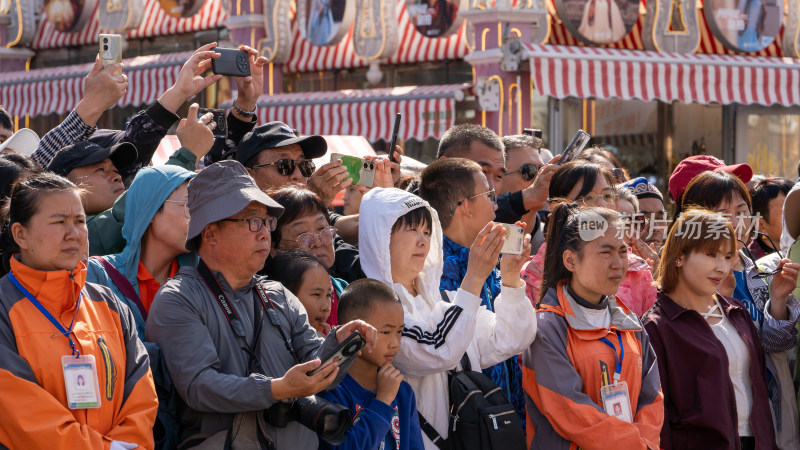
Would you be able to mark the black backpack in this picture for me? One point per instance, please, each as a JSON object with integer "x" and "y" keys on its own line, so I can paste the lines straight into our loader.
{"x": 480, "y": 415}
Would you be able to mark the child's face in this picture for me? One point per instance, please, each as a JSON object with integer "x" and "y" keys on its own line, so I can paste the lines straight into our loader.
{"x": 315, "y": 295}
{"x": 387, "y": 318}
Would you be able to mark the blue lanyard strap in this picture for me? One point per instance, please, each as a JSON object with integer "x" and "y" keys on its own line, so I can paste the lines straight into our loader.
{"x": 64, "y": 331}
{"x": 618, "y": 373}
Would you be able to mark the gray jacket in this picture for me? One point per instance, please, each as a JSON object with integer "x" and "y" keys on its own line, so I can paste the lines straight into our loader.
{"x": 206, "y": 360}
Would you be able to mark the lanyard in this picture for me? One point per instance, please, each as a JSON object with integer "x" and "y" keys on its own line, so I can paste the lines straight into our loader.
{"x": 618, "y": 373}
{"x": 64, "y": 331}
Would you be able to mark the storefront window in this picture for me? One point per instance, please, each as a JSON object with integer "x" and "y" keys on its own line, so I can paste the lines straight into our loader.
{"x": 628, "y": 128}
{"x": 769, "y": 140}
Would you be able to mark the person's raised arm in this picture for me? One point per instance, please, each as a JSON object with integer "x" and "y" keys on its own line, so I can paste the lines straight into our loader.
{"x": 190, "y": 79}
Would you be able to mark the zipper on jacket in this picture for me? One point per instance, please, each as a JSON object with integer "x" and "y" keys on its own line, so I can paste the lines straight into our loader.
{"x": 495, "y": 416}
{"x": 111, "y": 369}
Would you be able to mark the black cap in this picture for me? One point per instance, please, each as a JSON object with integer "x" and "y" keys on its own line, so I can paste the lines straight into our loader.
{"x": 276, "y": 135}
{"x": 86, "y": 153}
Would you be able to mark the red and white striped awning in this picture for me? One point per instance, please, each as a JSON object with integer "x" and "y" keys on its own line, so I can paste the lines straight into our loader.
{"x": 413, "y": 47}
{"x": 587, "y": 72}
{"x": 427, "y": 111}
{"x": 58, "y": 90}
{"x": 156, "y": 22}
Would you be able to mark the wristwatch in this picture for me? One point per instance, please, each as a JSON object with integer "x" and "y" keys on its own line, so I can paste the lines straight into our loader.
{"x": 243, "y": 113}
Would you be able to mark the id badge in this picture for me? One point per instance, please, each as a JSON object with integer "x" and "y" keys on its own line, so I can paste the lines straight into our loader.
{"x": 80, "y": 377}
{"x": 616, "y": 401}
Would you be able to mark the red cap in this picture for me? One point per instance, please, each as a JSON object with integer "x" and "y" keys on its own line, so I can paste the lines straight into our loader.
{"x": 695, "y": 165}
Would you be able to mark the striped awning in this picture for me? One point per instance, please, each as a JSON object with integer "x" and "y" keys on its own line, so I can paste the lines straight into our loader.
{"x": 58, "y": 90}
{"x": 587, "y": 72}
{"x": 427, "y": 111}
{"x": 156, "y": 22}
{"x": 413, "y": 47}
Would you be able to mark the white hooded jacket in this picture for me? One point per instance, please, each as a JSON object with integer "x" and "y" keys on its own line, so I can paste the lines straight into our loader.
{"x": 436, "y": 334}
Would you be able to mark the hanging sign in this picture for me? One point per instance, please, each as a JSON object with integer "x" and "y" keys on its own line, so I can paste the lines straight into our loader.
{"x": 181, "y": 8}
{"x": 325, "y": 22}
{"x": 598, "y": 22}
{"x": 671, "y": 26}
{"x": 744, "y": 25}
{"x": 69, "y": 15}
{"x": 435, "y": 18}
{"x": 121, "y": 15}
{"x": 22, "y": 28}
{"x": 375, "y": 35}
{"x": 276, "y": 45}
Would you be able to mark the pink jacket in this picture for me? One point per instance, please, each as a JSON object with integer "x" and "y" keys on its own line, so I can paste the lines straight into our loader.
{"x": 636, "y": 290}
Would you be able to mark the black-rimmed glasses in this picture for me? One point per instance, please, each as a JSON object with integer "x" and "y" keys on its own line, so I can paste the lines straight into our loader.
{"x": 528, "y": 171}
{"x": 286, "y": 166}
{"x": 750, "y": 255}
{"x": 256, "y": 223}
{"x": 492, "y": 196}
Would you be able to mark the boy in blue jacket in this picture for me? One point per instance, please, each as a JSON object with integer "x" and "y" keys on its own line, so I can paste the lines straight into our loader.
{"x": 382, "y": 404}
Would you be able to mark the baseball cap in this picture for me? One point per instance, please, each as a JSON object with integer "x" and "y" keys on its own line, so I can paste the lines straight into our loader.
{"x": 275, "y": 135}
{"x": 86, "y": 153}
{"x": 24, "y": 141}
{"x": 695, "y": 165}
{"x": 220, "y": 191}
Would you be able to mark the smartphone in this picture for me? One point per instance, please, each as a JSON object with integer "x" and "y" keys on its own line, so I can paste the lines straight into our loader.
{"x": 233, "y": 62}
{"x": 575, "y": 147}
{"x": 362, "y": 171}
{"x": 396, "y": 130}
{"x": 110, "y": 49}
{"x": 343, "y": 352}
{"x": 515, "y": 236}
{"x": 221, "y": 130}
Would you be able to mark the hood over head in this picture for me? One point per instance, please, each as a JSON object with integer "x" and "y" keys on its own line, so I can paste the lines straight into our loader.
{"x": 380, "y": 209}
{"x": 147, "y": 193}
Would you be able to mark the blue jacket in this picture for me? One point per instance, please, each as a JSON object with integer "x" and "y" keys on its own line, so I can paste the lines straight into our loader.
{"x": 376, "y": 425}
{"x": 507, "y": 375}
{"x": 147, "y": 193}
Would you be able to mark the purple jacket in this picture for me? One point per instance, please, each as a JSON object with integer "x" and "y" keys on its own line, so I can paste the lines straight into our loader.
{"x": 699, "y": 402}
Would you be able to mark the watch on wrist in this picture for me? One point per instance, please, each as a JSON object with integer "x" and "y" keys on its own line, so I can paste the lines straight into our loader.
{"x": 243, "y": 113}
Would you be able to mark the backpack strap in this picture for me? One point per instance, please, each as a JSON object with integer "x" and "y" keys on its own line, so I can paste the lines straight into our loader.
{"x": 431, "y": 432}
{"x": 122, "y": 283}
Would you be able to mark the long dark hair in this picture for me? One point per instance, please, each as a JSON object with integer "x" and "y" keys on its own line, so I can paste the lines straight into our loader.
{"x": 568, "y": 175}
{"x": 297, "y": 201}
{"x": 24, "y": 204}
{"x": 563, "y": 233}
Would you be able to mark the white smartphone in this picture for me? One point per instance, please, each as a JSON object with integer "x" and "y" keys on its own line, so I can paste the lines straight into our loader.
{"x": 515, "y": 236}
{"x": 110, "y": 49}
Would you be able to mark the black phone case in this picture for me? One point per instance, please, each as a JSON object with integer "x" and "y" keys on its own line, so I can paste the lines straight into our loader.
{"x": 233, "y": 62}
{"x": 355, "y": 336}
{"x": 221, "y": 130}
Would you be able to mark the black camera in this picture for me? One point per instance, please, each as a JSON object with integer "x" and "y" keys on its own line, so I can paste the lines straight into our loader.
{"x": 329, "y": 420}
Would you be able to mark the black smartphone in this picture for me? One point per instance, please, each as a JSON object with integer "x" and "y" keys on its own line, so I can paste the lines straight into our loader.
{"x": 343, "y": 352}
{"x": 233, "y": 62}
{"x": 396, "y": 130}
{"x": 575, "y": 147}
{"x": 221, "y": 130}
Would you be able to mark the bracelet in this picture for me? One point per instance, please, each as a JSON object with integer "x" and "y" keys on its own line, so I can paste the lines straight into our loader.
{"x": 243, "y": 113}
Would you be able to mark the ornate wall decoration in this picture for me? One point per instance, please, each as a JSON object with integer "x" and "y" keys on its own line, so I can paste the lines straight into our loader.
{"x": 120, "y": 15}
{"x": 744, "y": 25}
{"x": 598, "y": 21}
{"x": 375, "y": 35}
{"x": 671, "y": 26}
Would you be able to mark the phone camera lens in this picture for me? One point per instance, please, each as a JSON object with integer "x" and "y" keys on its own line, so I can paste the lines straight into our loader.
{"x": 105, "y": 48}
{"x": 105, "y": 40}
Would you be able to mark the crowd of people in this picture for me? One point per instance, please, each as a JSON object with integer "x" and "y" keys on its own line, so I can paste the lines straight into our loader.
{"x": 221, "y": 301}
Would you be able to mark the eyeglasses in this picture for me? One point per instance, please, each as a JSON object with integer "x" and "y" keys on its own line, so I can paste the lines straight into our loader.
{"x": 528, "y": 171}
{"x": 306, "y": 240}
{"x": 492, "y": 196}
{"x": 286, "y": 166}
{"x": 183, "y": 203}
{"x": 750, "y": 255}
{"x": 256, "y": 223}
{"x": 594, "y": 200}
{"x": 656, "y": 215}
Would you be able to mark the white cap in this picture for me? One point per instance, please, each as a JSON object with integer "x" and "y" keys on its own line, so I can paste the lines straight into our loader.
{"x": 25, "y": 141}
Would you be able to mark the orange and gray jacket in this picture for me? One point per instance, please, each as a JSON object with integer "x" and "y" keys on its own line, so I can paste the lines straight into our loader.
{"x": 32, "y": 393}
{"x": 565, "y": 368}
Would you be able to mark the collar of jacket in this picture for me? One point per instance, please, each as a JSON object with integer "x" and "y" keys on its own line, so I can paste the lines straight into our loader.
{"x": 673, "y": 310}
{"x": 621, "y": 318}
{"x": 56, "y": 290}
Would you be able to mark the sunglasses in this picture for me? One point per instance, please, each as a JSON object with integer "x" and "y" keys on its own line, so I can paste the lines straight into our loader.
{"x": 750, "y": 256}
{"x": 286, "y": 166}
{"x": 528, "y": 171}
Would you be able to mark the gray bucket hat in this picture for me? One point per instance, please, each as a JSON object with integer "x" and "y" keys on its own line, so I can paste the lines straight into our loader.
{"x": 220, "y": 191}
